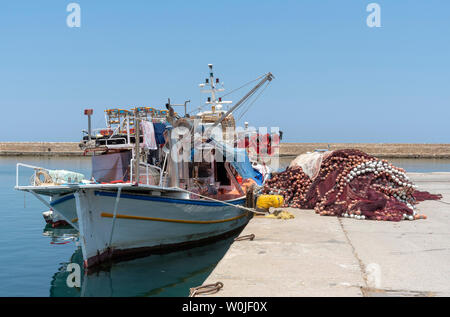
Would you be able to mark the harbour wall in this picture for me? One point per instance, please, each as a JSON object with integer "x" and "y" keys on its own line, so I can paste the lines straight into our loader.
{"x": 387, "y": 150}
{"x": 40, "y": 149}
{"x": 382, "y": 150}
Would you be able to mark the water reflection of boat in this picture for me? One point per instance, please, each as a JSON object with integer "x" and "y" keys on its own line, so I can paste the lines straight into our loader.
{"x": 61, "y": 234}
{"x": 53, "y": 219}
{"x": 157, "y": 275}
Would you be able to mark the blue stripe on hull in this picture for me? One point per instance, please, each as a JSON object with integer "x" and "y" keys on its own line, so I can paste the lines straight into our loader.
{"x": 172, "y": 200}
{"x": 155, "y": 198}
{"x": 61, "y": 200}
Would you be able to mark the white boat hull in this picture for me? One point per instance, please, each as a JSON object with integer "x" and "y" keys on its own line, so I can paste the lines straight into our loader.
{"x": 144, "y": 224}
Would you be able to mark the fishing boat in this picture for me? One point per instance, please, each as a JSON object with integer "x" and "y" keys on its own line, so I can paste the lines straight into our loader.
{"x": 160, "y": 181}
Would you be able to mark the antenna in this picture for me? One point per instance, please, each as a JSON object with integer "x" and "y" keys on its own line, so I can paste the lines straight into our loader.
{"x": 213, "y": 83}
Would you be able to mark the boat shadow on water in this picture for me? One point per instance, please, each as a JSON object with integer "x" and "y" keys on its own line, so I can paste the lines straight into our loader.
{"x": 168, "y": 275}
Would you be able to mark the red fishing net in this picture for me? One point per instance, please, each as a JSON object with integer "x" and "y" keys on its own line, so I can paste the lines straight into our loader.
{"x": 351, "y": 183}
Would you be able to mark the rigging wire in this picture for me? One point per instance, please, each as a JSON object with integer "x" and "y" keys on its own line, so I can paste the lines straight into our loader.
{"x": 197, "y": 109}
{"x": 234, "y": 90}
{"x": 248, "y": 83}
{"x": 254, "y": 100}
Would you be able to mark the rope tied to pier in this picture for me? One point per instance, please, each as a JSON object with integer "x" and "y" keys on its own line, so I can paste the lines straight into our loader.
{"x": 223, "y": 202}
{"x": 250, "y": 237}
{"x": 280, "y": 214}
{"x": 208, "y": 289}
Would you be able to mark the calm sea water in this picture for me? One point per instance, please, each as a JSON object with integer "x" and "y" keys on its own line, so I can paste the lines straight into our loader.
{"x": 31, "y": 264}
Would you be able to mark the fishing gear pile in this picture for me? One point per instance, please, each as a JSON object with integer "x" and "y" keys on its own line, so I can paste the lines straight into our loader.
{"x": 350, "y": 183}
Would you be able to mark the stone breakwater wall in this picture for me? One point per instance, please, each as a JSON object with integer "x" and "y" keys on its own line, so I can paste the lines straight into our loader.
{"x": 40, "y": 149}
{"x": 385, "y": 150}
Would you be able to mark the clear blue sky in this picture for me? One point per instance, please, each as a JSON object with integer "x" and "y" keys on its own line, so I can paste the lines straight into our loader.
{"x": 337, "y": 80}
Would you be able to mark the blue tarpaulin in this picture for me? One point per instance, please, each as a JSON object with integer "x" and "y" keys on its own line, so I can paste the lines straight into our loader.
{"x": 238, "y": 158}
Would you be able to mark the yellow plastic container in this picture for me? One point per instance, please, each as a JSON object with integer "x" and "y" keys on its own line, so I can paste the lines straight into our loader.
{"x": 267, "y": 201}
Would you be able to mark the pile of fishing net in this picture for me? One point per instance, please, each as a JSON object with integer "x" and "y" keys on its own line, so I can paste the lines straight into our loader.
{"x": 348, "y": 183}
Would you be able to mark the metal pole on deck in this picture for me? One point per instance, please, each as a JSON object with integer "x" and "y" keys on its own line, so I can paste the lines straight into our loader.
{"x": 175, "y": 180}
{"x": 137, "y": 146}
{"x": 128, "y": 129}
{"x": 88, "y": 113}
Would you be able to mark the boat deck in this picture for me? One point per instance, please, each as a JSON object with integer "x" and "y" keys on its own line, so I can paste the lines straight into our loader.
{"x": 71, "y": 188}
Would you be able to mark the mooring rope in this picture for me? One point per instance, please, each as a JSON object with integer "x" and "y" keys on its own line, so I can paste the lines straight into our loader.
{"x": 442, "y": 202}
{"x": 223, "y": 202}
{"x": 208, "y": 289}
{"x": 246, "y": 237}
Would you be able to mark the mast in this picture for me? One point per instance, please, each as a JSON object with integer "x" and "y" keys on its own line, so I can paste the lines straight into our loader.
{"x": 217, "y": 104}
{"x": 213, "y": 82}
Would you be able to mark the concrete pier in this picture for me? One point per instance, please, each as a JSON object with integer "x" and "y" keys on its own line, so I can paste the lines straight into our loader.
{"x": 329, "y": 256}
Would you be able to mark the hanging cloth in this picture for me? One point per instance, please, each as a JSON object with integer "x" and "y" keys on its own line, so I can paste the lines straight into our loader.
{"x": 149, "y": 135}
{"x": 159, "y": 132}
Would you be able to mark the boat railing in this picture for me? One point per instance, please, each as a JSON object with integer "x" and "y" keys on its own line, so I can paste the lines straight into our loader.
{"x": 114, "y": 133}
{"x": 149, "y": 177}
{"x": 98, "y": 131}
{"x": 115, "y": 139}
{"x": 95, "y": 131}
{"x": 111, "y": 140}
{"x": 36, "y": 169}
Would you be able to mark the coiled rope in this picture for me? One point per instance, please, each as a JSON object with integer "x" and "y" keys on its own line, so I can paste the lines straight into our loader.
{"x": 36, "y": 178}
{"x": 208, "y": 289}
